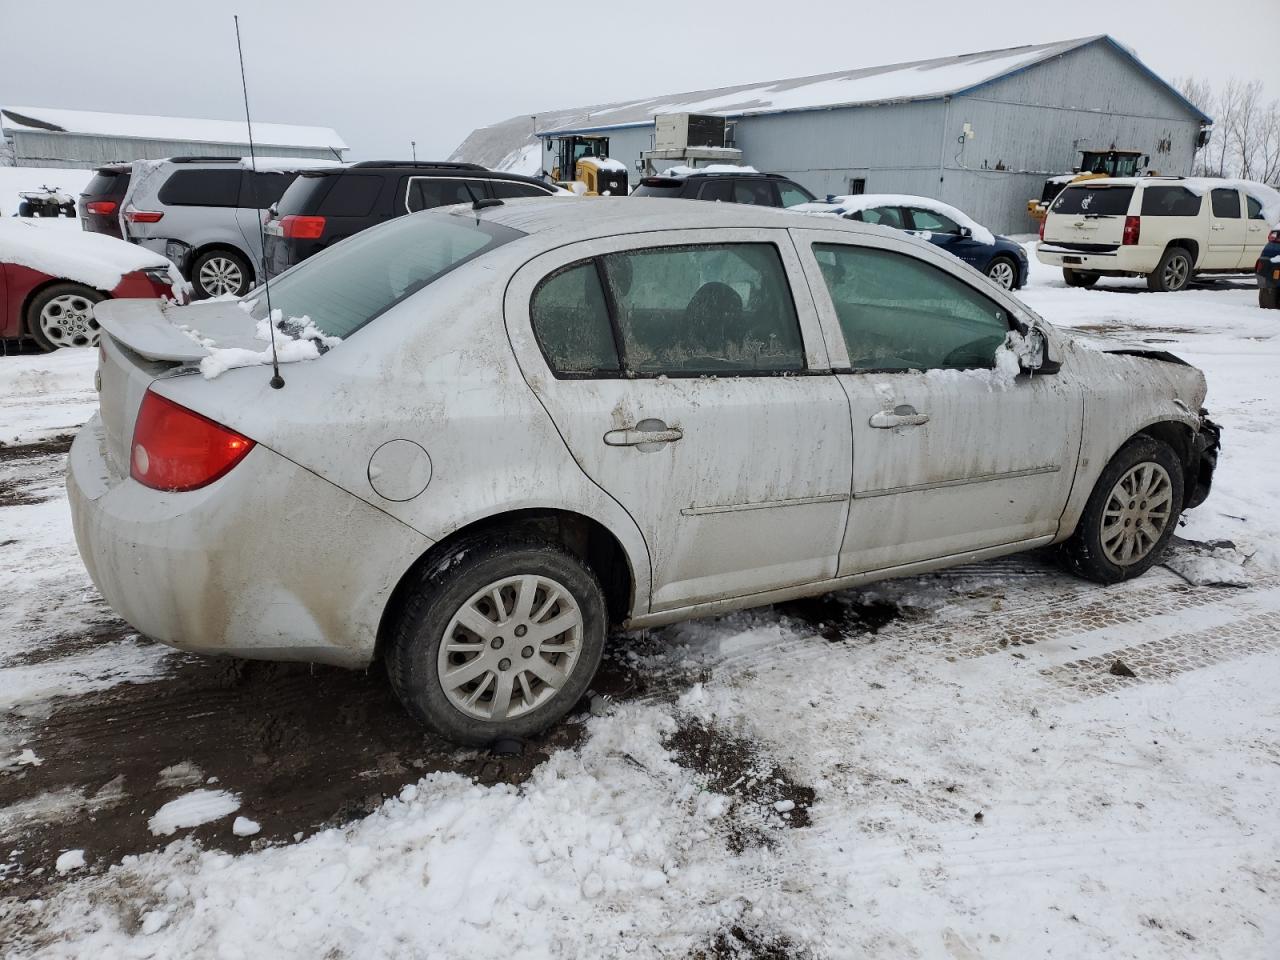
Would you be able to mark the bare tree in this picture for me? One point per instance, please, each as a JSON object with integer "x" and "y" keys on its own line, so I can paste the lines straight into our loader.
{"x": 1245, "y": 127}
{"x": 1269, "y": 145}
{"x": 1245, "y": 137}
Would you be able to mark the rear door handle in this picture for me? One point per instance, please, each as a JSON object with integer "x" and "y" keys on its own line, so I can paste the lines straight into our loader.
{"x": 903, "y": 415}
{"x": 646, "y": 431}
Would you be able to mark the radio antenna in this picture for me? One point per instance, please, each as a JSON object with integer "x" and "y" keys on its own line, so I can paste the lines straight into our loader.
{"x": 277, "y": 381}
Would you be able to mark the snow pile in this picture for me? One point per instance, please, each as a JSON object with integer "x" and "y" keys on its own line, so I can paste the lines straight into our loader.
{"x": 69, "y": 860}
{"x": 297, "y": 338}
{"x": 842, "y": 206}
{"x": 94, "y": 259}
{"x": 1209, "y": 565}
{"x": 526, "y": 160}
{"x": 192, "y": 809}
{"x": 608, "y": 163}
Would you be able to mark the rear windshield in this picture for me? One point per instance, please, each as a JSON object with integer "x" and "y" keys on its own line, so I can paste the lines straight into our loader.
{"x": 107, "y": 184}
{"x": 1093, "y": 201}
{"x": 343, "y": 288}
{"x": 304, "y": 194}
{"x": 664, "y": 187}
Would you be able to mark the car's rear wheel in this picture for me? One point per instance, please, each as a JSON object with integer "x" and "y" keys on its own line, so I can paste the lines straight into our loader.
{"x": 1004, "y": 272}
{"x": 1076, "y": 278}
{"x": 1269, "y": 298}
{"x": 498, "y": 638}
{"x": 1131, "y": 514}
{"x": 217, "y": 273}
{"x": 1172, "y": 273}
{"x": 61, "y": 315}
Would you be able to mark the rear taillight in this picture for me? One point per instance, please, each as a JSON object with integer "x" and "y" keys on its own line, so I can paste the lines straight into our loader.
{"x": 176, "y": 449}
{"x": 143, "y": 216}
{"x": 1042, "y": 223}
{"x": 302, "y": 228}
{"x": 103, "y": 208}
{"x": 1132, "y": 231}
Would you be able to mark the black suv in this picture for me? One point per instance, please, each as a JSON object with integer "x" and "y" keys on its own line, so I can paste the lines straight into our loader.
{"x": 322, "y": 207}
{"x": 762, "y": 189}
{"x": 101, "y": 199}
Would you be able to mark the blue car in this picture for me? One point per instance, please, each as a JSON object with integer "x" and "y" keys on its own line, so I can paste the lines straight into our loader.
{"x": 1000, "y": 258}
{"x": 1268, "y": 270}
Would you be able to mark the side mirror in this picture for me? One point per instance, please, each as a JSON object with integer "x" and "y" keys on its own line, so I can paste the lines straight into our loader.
{"x": 966, "y": 232}
{"x": 1035, "y": 350}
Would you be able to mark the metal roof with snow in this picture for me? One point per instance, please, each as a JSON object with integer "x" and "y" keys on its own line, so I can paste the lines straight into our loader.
{"x": 132, "y": 126}
{"x": 896, "y": 82}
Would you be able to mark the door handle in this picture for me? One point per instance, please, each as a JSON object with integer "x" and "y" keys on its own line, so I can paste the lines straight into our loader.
{"x": 1219, "y": 226}
{"x": 647, "y": 431}
{"x": 903, "y": 415}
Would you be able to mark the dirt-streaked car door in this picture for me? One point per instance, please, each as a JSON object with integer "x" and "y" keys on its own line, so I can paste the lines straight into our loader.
{"x": 948, "y": 455}
{"x": 692, "y": 386}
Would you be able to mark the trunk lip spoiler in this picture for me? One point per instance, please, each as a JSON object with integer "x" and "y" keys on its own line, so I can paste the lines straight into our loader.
{"x": 157, "y": 330}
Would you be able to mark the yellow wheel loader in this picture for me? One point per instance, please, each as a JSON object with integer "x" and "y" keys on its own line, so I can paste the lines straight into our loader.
{"x": 1094, "y": 164}
{"x": 582, "y": 166}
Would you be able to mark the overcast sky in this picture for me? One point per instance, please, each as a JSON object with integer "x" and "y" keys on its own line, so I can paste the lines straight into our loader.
{"x": 383, "y": 73}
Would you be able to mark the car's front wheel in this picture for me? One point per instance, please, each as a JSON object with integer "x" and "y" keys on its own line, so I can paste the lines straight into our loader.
{"x": 1075, "y": 278}
{"x": 217, "y": 273}
{"x": 1004, "y": 272}
{"x": 1131, "y": 514}
{"x": 498, "y": 638}
{"x": 61, "y": 315}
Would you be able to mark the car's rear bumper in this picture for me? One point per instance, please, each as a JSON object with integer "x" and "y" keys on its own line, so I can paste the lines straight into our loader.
{"x": 1122, "y": 261}
{"x": 269, "y": 562}
{"x": 1268, "y": 272}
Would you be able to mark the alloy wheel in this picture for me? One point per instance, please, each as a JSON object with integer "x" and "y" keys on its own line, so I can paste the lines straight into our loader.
{"x": 1176, "y": 272}
{"x": 1137, "y": 513}
{"x": 510, "y": 647}
{"x": 1002, "y": 273}
{"x": 67, "y": 321}
{"x": 220, "y": 276}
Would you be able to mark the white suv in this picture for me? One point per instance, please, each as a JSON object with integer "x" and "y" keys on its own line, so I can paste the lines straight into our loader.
{"x": 1167, "y": 229}
{"x": 533, "y": 421}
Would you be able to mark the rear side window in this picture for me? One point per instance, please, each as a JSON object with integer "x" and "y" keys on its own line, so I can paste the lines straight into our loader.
{"x": 899, "y": 313}
{"x": 933, "y": 222}
{"x": 511, "y": 189}
{"x": 351, "y": 195}
{"x": 202, "y": 188}
{"x": 1170, "y": 202}
{"x": 717, "y": 190}
{"x": 658, "y": 187}
{"x": 261, "y": 190}
{"x": 426, "y": 193}
{"x": 571, "y": 321}
{"x": 757, "y": 192}
{"x": 885, "y": 216}
{"x": 343, "y": 288}
{"x": 1226, "y": 204}
{"x": 793, "y": 194}
{"x": 707, "y": 309}
{"x": 1093, "y": 201}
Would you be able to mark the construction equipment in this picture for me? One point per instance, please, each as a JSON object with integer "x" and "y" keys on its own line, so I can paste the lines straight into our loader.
{"x": 582, "y": 165}
{"x": 1094, "y": 164}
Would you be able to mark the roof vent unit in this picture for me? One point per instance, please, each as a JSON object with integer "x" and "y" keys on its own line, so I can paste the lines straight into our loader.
{"x": 680, "y": 131}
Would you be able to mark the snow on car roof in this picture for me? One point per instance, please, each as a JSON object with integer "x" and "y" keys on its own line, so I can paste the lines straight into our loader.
{"x": 869, "y": 201}
{"x": 94, "y": 259}
{"x": 167, "y": 128}
{"x": 680, "y": 171}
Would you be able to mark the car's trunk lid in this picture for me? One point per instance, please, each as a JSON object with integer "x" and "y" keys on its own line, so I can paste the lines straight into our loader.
{"x": 1086, "y": 217}
{"x": 147, "y": 339}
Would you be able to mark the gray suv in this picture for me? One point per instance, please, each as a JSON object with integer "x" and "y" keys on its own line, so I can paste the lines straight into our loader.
{"x": 204, "y": 214}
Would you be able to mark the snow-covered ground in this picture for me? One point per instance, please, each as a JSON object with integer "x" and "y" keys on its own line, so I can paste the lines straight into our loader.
{"x": 938, "y": 767}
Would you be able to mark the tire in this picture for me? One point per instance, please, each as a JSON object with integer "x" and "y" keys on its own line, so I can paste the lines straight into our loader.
{"x": 67, "y": 210}
{"x": 25, "y": 209}
{"x": 1269, "y": 298}
{"x": 61, "y": 315}
{"x": 1172, "y": 273}
{"x": 1098, "y": 547}
{"x": 1003, "y": 272}
{"x": 1075, "y": 278}
{"x": 216, "y": 273}
{"x": 459, "y": 585}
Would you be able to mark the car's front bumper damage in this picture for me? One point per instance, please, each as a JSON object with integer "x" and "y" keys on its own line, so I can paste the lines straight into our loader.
{"x": 1204, "y": 459}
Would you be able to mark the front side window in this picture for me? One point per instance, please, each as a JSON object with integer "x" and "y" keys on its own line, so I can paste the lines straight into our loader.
{"x": 1170, "y": 202}
{"x": 343, "y": 288}
{"x": 933, "y": 222}
{"x": 571, "y": 321}
{"x": 708, "y": 309}
{"x": 511, "y": 189}
{"x": 900, "y": 313}
{"x": 1226, "y": 204}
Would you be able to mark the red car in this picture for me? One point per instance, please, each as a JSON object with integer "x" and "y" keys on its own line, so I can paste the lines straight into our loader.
{"x": 51, "y": 276}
